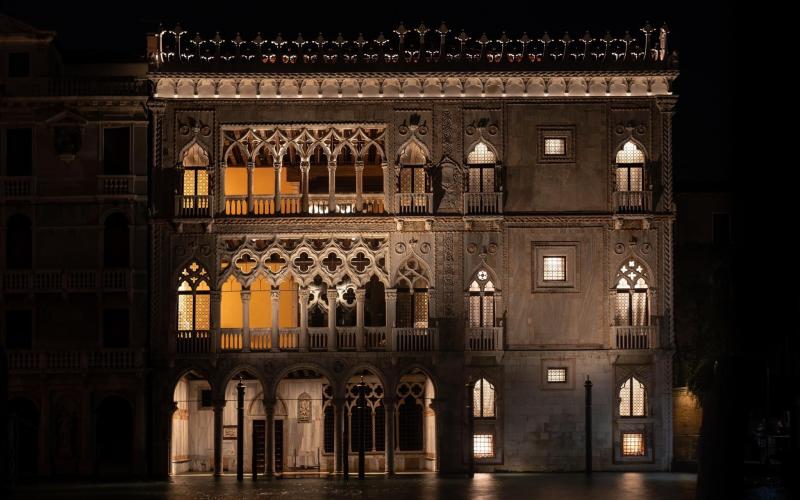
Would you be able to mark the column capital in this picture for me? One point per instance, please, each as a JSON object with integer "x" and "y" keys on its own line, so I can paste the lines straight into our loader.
{"x": 332, "y": 294}
{"x": 251, "y": 164}
{"x": 218, "y": 405}
{"x": 275, "y": 295}
{"x": 332, "y": 166}
{"x": 245, "y": 294}
{"x": 215, "y": 295}
{"x": 338, "y": 401}
{"x": 361, "y": 294}
{"x": 303, "y": 292}
{"x": 390, "y": 293}
{"x": 269, "y": 404}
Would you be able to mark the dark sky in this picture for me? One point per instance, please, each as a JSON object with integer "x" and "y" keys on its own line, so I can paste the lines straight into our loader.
{"x": 696, "y": 27}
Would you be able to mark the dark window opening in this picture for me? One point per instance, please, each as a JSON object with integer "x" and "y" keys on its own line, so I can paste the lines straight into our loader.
{"x": 205, "y": 398}
{"x": 19, "y": 329}
{"x": 380, "y": 428}
{"x": 116, "y": 151}
{"x": 355, "y": 427}
{"x": 19, "y": 242}
{"x": 328, "y": 431}
{"x": 116, "y": 328}
{"x": 19, "y": 152}
{"x": 19, "y": 64}
{"x": 115, "y": 241}
{"x": 409, "y": 425}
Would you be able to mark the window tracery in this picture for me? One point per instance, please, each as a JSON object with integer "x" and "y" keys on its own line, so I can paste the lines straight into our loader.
{"x": 483, "y": 399}
{"x": 632, "y": 398}
{"x": 481, "y": 301}
{"x": 632, "y": 304}
{"x": 630, "y": 168}
{"x": 194, "y": 300}
{"x": 481, "y": 162}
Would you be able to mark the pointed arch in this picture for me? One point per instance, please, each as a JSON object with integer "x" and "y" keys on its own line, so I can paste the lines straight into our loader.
{"x": 413, "y": 152}
{"x": 484, "y": 399}
{"x": 482, "y": 152}
{"x": 194, "y": 298}
{"x": 481, "y": 298}
{"x": 632, "y": 284}
{"x": 412, "y": 281}
{"x": 194, "y": 154}
{"x": 632, "y": 398}
{"x": 630, "y": 173}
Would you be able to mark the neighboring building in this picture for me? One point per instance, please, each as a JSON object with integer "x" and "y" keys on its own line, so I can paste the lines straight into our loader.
{"x": 465, "y": 225}
{"x": 73, "y": 196}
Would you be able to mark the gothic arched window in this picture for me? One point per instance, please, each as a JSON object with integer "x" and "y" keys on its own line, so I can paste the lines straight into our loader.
{"x": 195, "y": 177}
{"x": 483, "y": 399}
{"x": 481, "y": 161}
{"x": 194, "y": 299}
{"x": 632, "y": 398}
{"x": 481, "y": 301}
{"x": 412, "y": 295}
{"x": 630, "y": 168}
{"x": 632, "y": 308}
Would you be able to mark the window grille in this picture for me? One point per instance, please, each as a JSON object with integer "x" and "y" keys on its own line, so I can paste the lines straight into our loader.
{"x": 483, "y": 446}
{"x": 556, "y": 375}
{"x": 483, "y": 399}
{"x": 632, "y": 399}
{"x": 555, "y": 269}
{"x": 194, "y": 300}
{"x": 633, "y": 444}
{"x": 632, "y": 304}
{"x": 555, "y": 146}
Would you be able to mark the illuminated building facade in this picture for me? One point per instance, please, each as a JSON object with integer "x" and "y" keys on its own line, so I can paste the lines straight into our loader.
{"x": 465, "y": 225}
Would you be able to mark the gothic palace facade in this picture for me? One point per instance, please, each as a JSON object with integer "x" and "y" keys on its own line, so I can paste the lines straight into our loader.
{"x": 463, "y": 225}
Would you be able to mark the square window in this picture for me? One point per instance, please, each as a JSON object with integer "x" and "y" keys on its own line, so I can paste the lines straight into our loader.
{"x": 483, "y": 446}
{"x": 633, "y": 444}
{"x": 557, "y": 375}
{"x": 555, "y": 146}
{"x": 555, "y": 269}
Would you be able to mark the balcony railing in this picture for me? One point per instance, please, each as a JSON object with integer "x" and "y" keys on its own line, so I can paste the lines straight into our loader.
{"x": 416, "y": 339}
{"x": 75, "y": 280}
{"x": 18, "y": 187}
{"x": 346, "y": 338}
{"x": 484, "y": 338}
{"x": 192, "y": 206}
{"x": 193, "y": 342}
{"x": 116, "y": 185}
{"x": 68, "y": 361}
{"x": 414, "y": 203}
{"x": 483, "y": 203}
{"x": 631, "y": 202}
{"x": 318, "y": 338}
{"x": 635, "y": 337}
{"x": 375, "y": 338}
{"x": 289, "y": 339}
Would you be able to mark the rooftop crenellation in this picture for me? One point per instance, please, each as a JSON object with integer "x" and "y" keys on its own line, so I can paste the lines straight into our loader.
{"x": 404, "y": 49}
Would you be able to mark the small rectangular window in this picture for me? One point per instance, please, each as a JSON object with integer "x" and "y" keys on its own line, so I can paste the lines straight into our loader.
{"x": 633, "y": 444}
{"x": 19, "y": 329}
{"x": 205, "y": 398}
{"x": 19, "y": 65}
{"x": 556, "y": 146}
{"x": 116, "y": 328}
{"x": 557, "y": 375}
{"x": 116, "y": 150}
{"x": 483, "y": 446}
{"x": 555, "y": 269}
{"x": 19, "y": 152}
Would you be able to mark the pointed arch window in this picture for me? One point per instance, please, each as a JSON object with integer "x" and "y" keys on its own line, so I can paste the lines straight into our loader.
{"x": 481, "y": 161}
{"x": 630, "y": 168}
{"x": 195, "y": 177}
{"x": 481, "y": 301}
{"x": 632, "y": 398}
{"x": 632, "y": 304}
{"x": 413, "y": 178}
{"x": 412, "y": 295}
{"x": 194, "y": 299}
{"x": 483, "y": 399}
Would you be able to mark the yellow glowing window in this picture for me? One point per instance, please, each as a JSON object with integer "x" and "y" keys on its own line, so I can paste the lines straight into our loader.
{"x": 632, "y": 399}
{"x": 556, "y": 375}
{"x": 555, "y": 269}
{"x": 483, "y": 399}
{"x": 633, "y": 444}
{"x": 194, "y": 301}
{"x": 481, "y": 154}
{"x": 483, "y": 445}
{"x": 555, "y": 146}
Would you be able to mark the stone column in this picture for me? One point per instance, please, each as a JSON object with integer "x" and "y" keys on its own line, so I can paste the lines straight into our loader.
{"x": 390, "y": 295}
{"x": 219, "y": 189}
{"x": 250, "y": 168}
{"x": 360, "y": 297}
{"x": 498, "y": 321}
{"x": 390, "y": 409}
{"x": 331, "y": 187}
{"x": 338, "y": 429}
{"x": 666, "y": 105}
{"x": 219, "y": 408}
{"x": 216, "y": 311}
{"x": 245, "y": 320}
{"x": 275, "y": 297}
{"x": 333, "y": 294}
{"x": 359, "y": 186}
{"x": 303, "y": 298}
{"x": 277, "y": 195}
{"x": 269, "y": 459}
{"x": 305, "y": 166}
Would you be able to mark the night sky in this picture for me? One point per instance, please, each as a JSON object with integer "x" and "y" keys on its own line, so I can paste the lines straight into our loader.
{"x": 89, "y": 31}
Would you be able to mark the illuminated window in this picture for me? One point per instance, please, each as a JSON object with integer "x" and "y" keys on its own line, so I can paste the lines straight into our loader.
{"x": 195, "y": 177}
{"x": 194, "y": 299}
{"x": 412, "y": 172}
{"x": 556, "y": 146}
{"x": 555, "y": 269}
{"x": 481, "y": 301}
{"x": 630, "y": 168}
{"x": 557, "y": 375}
{"x": 412, "y": 295}
{"x": 633, "y": 444}
{"x": 483, "y": 445}
{"x": 631, "y": 308}
{"x": 632, "y": 399}
{"x": 481, "y": 161}
{"x": 483, "y": 399}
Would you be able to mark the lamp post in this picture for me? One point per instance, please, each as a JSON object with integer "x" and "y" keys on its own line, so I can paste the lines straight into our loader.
{"x": 361, "y": 404}
{"x": 470, "y": 429}
{"x": 588, "y": 419}
{"x": 240, "y": 430}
